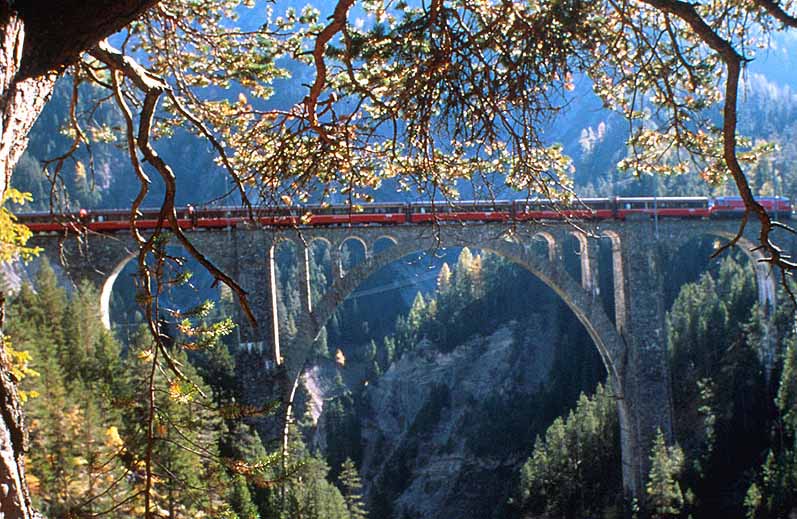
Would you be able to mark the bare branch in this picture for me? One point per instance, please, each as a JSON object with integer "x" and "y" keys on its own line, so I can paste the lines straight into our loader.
{"x": 154, "y": 87}
{"x": 322, "y": 40}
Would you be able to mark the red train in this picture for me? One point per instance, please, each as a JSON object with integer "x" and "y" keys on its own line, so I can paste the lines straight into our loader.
{"x": 110, "y": 220}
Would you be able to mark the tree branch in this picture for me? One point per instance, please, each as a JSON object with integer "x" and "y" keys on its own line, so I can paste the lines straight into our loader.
{"x": 777, "y": 12}
{"x": 153, "y": 87}
{"x": 59, "y": 31}
{"x": 322, "y": 40}
{"x": 733, "y": 63}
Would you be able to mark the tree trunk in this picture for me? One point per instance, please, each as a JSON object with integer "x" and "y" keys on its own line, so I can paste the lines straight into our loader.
{"x": 37, "y": 41}
{"x": 21, "y": 102}
{"x": 14, "y": 496}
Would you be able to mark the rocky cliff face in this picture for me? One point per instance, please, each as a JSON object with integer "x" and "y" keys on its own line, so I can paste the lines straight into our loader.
{"x": 443, "y": 434}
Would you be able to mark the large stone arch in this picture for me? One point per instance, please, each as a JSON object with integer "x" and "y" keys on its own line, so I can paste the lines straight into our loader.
{"x": 587, "y": 309}
{"x": 96, "y": 258}
{"x": 589, "y": 312}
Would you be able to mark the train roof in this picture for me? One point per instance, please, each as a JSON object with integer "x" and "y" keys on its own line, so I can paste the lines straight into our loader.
{"x": 663, "y": 198}
{"x": 739, "y": 199}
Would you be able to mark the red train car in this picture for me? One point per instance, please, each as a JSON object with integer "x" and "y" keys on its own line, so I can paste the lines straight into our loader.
{"x": 416, "y": 213}
{"x": 731, "y": 206}
{"x": 460, "y": 211}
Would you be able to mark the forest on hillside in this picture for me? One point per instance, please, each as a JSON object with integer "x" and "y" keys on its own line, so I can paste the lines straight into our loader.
{"x": 559, "y": 439}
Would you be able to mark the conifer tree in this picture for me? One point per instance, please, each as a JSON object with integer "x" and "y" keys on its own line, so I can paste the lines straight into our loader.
{"x": 321, "y": 344}
{"x": 388, "y": 351}
{"x": 50, "y": 437}
{"x": 666, "y": 499}
{"x": 444, "y": 279}
{"x": 372, "y": 360}
{"x": 52, "y": 298}
{"x": 462, "y": 283}
{"x": 188, "y": 478}
{"x": 352, "y": 490}
{"x": 85, "y": 351}
{"x": 476, "y": 275}
{"x": 417, "y": 314}
{"x": 573, "y": 470}
{"x": 773, "y": 493}
{"x": 76, "y": 459}
{"x": 306, "y": 494}
{"x": 241, "y": 499}
{"x": 720, "y": 396}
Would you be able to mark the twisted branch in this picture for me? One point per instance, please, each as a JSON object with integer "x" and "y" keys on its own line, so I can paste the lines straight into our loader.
{"x": 153, "y": 87}
{"x": 733, "y": 63}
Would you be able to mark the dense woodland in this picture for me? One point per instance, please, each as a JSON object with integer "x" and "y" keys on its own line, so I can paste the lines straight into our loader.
{"x": 87, "y": 414}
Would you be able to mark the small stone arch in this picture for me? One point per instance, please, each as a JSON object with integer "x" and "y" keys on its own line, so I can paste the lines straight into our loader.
{"x": 376, "y": 249}
{"x": 550, "y": 242}
{"x": 107, "y": 289}
{"x": 585, "y": 259}
{"x": 321, "y": 239}
{"x": 339, "y": 261}
{"x": 618, "y": 280}
{"x": 286, "y": 241}
{"x": 314, "y": 247}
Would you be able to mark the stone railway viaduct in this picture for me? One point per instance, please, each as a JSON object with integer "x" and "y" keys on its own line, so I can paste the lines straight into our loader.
{"x": 632, "y": 347}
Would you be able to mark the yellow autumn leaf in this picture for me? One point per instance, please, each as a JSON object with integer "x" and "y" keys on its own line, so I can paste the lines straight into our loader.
{"x": 178, "y": 393}
{"x": 340, "y": 358}
{"x": 112, "y": 438}
{"x": 33, "y": 483}
{"x": 14, "y": 235}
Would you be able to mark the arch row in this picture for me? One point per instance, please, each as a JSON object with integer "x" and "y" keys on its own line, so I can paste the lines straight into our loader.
{"x": 402, "y": 240}
{"x": 368, "y": 242}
